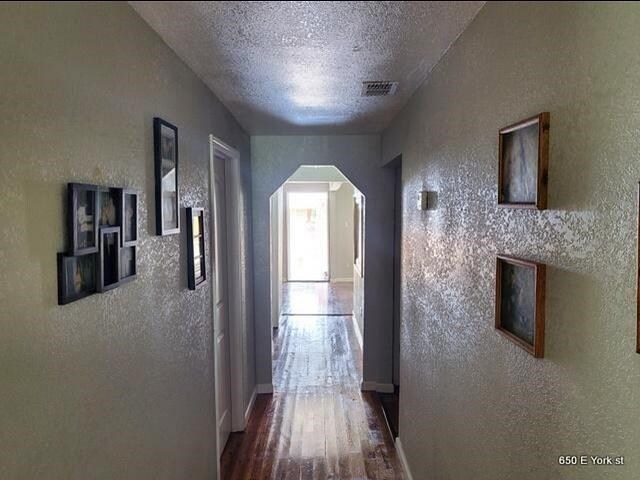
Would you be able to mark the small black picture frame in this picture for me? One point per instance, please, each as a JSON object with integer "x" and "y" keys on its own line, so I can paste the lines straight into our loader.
{"x": 128, "y": 216}
{"x": 108, "y": 207}
{"x": 83, "y": 212}
{"x": 196, "y": 264}
{"x": 109, "y": 259}
{"x": 165, "y": 152}
{"x": 76, "y": 277}
{"x": 128, "y": 263}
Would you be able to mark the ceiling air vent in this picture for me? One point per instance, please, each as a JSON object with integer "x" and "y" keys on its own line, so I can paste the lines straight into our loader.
{"x": 378, "y": 89}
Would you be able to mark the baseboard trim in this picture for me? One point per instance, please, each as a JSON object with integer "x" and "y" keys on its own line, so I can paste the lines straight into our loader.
{"x": 368, "y": 386}
{"x": 247, "y": 412}
{"x": 356, "y": 327}
{"x": 264, "y": 388}
{"x": 342, "y": 280}
{"x": 403, "y": 459}
{"x": 385, "y": 388}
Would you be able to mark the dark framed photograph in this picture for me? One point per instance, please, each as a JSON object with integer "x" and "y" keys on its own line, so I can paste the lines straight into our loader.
{"x": 128, "y": 267}
{"x": 109, "y": 259}
{"x": 76, "y": 277}
{"x": 523, "y": 163}
{"x": 108, "y": 206}
{"x": 165, "y": 138}
{"x": 196, "y": 266}
{"x": 520, "y": 302}
{"x": 82, "y": 218}
{"x": 128, "y": 216}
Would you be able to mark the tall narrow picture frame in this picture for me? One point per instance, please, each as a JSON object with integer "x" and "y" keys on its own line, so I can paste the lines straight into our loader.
{"x": 128, "y": 216}
{"x": 196, "y": 264}
{"x": 82, "y": 218}
{"x": 109, "y": 259}
{"x": 520, "y": 302}
{"x": 165, "y": 138}
{"x": 523, "y": 163}
{"x": 128, "y": 265}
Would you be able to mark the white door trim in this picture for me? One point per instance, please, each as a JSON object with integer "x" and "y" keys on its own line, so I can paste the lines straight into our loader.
{"x": 236, "y": 292}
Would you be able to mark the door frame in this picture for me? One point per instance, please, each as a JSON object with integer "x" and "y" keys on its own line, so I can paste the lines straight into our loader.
{"x": 236, "y": 292}
{"x": 305, "y": 187}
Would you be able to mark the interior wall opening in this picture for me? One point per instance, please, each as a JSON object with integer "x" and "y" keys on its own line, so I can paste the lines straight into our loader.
{"x": 317, "y": 280}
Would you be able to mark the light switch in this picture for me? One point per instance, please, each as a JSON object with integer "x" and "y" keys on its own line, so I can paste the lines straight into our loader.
{"x": 423, "y": 200}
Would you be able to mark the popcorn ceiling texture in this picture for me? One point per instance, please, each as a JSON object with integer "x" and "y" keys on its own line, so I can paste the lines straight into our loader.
{"x": 118, "y": 385}
{"x": 473, "y": 405}
{"x": 298, "y": 67}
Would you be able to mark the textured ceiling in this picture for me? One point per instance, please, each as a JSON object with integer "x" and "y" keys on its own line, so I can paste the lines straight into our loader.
{"x": 297, "y": 67}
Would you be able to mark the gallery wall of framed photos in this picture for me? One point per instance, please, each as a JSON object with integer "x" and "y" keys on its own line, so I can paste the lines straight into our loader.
{"x": 102, "y": 230}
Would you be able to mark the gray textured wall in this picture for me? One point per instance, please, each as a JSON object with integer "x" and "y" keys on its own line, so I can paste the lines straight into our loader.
{"x": 273, "y": 160}
{"x": 117, "y": 385}
{"x": 473, "y": 405}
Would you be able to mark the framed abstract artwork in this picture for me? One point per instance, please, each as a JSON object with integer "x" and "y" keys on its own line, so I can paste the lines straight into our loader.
{"x": 165, "y": 138}
{"x": 76, "y": 277}
{"x": 82, "y": 218}
{"x": 109, "y": 259}
{"x": 523, "y": 163}
{"x": 520, "y": 302}
{"x": 196, "y": 266}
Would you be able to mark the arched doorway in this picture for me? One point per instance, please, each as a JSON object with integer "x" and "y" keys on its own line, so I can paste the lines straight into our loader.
{"x": 317, "y": 219}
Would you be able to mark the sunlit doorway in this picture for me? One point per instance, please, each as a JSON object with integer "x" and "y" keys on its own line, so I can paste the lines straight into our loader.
{"x": 308, "y": 235}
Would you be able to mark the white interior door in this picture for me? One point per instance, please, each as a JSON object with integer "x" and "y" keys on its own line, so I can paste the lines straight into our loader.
{"x": 221, "y": 306}
{"x": 308, "y": 236}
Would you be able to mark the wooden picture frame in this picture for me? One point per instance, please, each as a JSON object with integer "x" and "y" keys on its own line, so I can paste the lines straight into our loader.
{"x": 109, "y": 259}
{"x": 83, "y": 212}
{"x": 76, "y": 277}
{"x": 165, "y": 150}
{"x": 196, "y": 260}
{"x": 128, "y": 216}
{"x": 523, "y": 163}
{"x": 520, "y": 302}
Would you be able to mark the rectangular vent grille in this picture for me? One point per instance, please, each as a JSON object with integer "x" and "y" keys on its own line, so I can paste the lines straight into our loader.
{"x": 378, "y": 89}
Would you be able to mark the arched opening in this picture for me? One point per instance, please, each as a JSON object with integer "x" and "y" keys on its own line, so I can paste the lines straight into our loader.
{"x": 316, "y": 225}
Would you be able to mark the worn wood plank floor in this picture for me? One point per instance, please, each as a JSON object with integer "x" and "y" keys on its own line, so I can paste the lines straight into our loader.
{"x": 317, "y": 424}
{"x": 317, "y": 298}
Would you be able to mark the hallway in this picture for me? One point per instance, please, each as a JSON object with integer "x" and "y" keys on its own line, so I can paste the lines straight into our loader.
{"x": 317, "y": 424}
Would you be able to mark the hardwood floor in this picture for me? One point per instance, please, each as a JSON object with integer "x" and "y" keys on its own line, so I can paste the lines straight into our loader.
{"x": 317, "y": 298}
{"x": 317, "y": 424}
